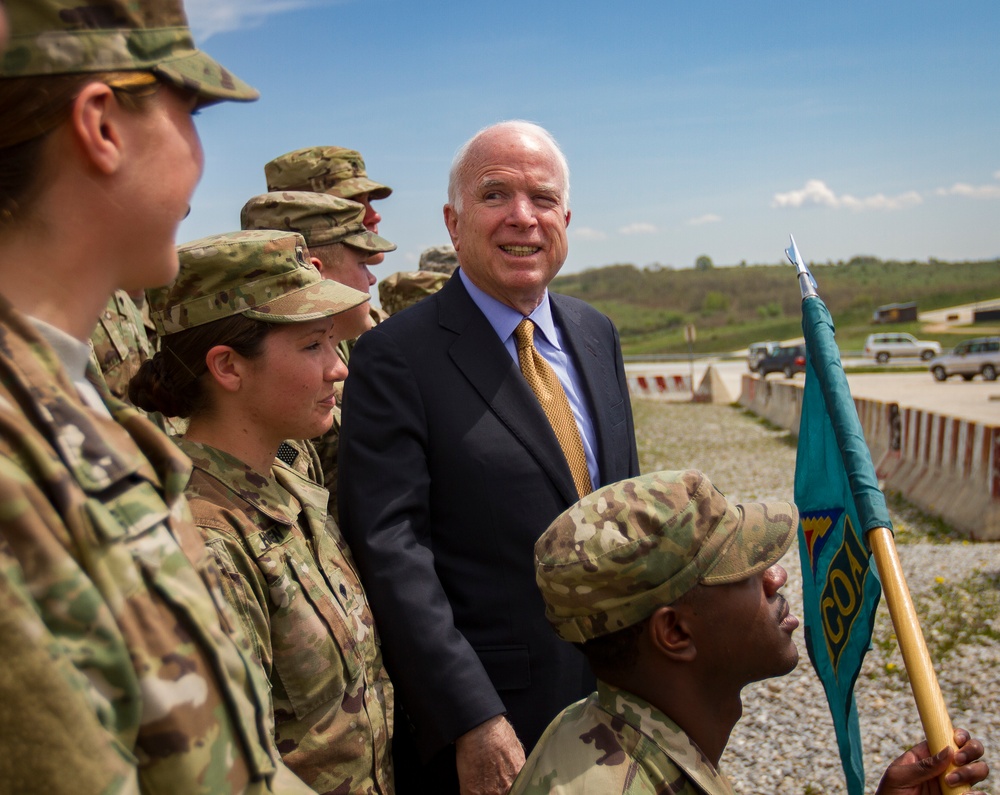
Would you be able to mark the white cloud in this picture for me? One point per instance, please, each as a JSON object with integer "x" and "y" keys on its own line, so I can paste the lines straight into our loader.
{"x": 208, "y": 17}
{"x": 882, "y": 202}
{"x": 817, "y": 193}
{"x": 708, "y": 218}
{"x": 971, "y": 191}
{"x": 586, "y": 233}
{"x": 638, "y": 228}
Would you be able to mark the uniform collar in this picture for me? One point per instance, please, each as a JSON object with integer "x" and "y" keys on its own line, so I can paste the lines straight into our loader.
{"x": 259, "y": 491}
{"x": 97, "y": 451}
{"x": 666, "y": 734}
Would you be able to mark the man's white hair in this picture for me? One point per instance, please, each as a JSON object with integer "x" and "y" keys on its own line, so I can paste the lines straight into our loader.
{"x": 519, "y": 125}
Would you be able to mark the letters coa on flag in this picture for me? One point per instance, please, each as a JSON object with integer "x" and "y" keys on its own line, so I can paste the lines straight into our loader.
{"x": 834, "y": 482}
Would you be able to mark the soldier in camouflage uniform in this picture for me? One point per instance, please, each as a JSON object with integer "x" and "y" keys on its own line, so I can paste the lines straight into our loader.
{"x": 247, "y": 386}
{"x": 339, "y": 246}
{"x": 124, "y": 669}
{"x": 119, "y": 343}
{"x": 402, "y": 290}
{"x": 336, "y": 171}
{"x": 672, "y": 593}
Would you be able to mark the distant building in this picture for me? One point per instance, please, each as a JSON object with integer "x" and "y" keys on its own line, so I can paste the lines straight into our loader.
{"x": 986, "y": 314}
{"x": 895, "y": 313}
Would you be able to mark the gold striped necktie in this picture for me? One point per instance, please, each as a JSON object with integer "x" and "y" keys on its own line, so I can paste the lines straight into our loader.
{"x": 550, "y": 393}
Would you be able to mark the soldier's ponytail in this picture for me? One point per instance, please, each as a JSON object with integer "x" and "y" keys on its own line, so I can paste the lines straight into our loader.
{"x": 173, "y": 381}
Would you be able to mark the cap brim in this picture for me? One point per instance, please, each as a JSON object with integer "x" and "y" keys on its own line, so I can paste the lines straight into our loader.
{"x": 355, "y": 186}
{"x": 201, "y": 74}
{"x": 369, "y": 241}
{"x": 321, "y": 299}
{"x": 763, "y": 534}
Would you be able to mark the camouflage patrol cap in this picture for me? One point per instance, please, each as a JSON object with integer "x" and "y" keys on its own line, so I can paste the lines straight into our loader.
{"x": 622, "y": 551}
{"x": 53, "y": 37}
{"x": 404, "y": 289}
{"x": 323, "y": 169}
{"x": 263, "y": 274}
{"x": 443, "y": 259}
{"x": 321, "y": 219}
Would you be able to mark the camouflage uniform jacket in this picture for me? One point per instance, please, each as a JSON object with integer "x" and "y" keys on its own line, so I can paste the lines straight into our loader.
{"x": 291, "y": 578}
{"x": 119, "y": 343}
{"x": 102, "y": 569}
{"x": 327, "y": 446}
{"x": 614, "y": 742}
{"x": 327, "y": 449}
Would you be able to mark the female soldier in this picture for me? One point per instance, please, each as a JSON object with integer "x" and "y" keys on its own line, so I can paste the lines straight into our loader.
{"x": 341, "y": 248}
{"x": 248, "y": 353}
{"x": 122, "y": 671}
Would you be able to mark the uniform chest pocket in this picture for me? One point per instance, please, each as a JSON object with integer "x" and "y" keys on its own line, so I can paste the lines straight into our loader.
{"x": 315, "y": 633}
{"x": 126, "y": 509}
{"x": 128, "y": 522}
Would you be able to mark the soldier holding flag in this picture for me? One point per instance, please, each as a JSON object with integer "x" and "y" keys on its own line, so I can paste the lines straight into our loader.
{"x": 673, "y": 594}
{"x": 845, "y": 521}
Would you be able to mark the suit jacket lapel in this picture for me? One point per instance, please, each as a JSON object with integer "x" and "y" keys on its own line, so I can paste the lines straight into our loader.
{"x": 480, "y": 355}
{"x": 595, "y": 372}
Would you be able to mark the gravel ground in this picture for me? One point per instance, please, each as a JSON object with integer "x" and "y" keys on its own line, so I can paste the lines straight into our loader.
{"x": 785, "y": 742}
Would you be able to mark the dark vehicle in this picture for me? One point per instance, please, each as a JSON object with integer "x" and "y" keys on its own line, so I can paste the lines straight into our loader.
{"x": 757, "y": 351}
{"x": 789, "y": 359}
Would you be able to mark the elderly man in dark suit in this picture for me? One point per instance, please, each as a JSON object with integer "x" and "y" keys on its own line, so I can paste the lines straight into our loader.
{"x": 470, "y": 421}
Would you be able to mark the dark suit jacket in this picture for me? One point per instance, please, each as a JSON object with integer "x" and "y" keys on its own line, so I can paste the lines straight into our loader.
{"x": 449, "y": 473}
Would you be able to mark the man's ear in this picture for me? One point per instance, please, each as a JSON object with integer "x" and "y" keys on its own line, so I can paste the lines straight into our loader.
{"x": 569, "y": 214}
{"x": 225, "y": 367}
{"x": 317, "y": 263}
{"x": 451, "y": 221}
{"x": 95, "y": 118}
{"x": 669, "y": 633}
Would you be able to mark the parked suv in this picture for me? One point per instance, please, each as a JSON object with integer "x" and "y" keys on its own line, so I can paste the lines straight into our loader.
{"x": 882, "y": 347}
{"x": 969, "y": 359}
{"x": 788, "y": 359}
{"x": 757, "y": 351}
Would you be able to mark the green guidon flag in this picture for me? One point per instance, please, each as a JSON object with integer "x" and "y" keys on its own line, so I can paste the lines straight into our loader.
{"x": 837, "y": 493}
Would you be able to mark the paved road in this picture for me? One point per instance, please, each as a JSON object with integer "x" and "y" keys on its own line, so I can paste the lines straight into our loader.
{"x": 974, "y": 400}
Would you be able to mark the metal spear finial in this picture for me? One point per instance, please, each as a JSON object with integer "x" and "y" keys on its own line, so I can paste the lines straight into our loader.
{"x": 806, "y": 281}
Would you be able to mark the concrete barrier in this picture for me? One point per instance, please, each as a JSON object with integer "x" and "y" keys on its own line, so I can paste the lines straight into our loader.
{"x": 880, "y": 423}
{"x": 947, "y": 466}
{"x": 712, "y": 388}
{"x": 779, "y": 402}
{"x": 659, "y": 386}
{"x": 950, "y": 468}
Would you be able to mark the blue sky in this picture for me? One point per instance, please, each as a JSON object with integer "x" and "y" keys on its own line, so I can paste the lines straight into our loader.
{"x": 711, "y": 128}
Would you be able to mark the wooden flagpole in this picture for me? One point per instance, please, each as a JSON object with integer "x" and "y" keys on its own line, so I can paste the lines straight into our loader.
{"x": 923, "y": 681}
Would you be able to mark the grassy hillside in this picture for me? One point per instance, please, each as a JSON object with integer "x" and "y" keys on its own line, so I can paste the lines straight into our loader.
{"x": 733, "y": 306}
